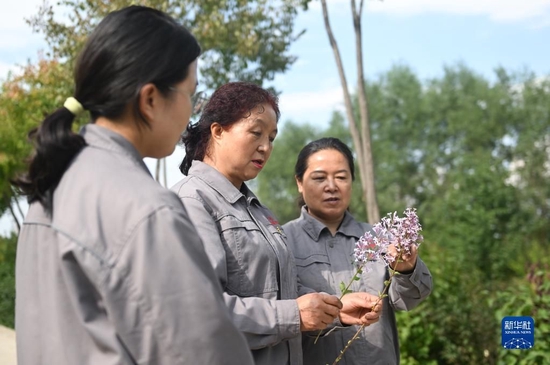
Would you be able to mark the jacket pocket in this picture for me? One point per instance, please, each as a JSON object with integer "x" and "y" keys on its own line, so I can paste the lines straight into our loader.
{"x": 251, "y": 261}
{"x": 314, "y": 272}
{"x": 287, "y": 266}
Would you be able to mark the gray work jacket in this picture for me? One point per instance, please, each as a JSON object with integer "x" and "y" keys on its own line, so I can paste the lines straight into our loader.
{"x": 117, "y": 274}
{"x": 248, "y": 251}
{"x": 323, "y": 262}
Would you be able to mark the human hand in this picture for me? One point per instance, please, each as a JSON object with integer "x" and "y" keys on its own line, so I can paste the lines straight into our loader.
{"x": 317, "y": 310}
{"x": 407, "y": 261}
{"x": 360, "y": 308}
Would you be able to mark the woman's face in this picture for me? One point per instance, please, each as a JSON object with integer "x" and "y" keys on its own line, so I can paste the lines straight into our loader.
{"x": 240, "y": 151}
{"x": 174, "y": 113}
{"x": 326, "y": 185}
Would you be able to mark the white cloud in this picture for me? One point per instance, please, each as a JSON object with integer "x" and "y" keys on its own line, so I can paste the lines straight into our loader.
{"x": 17, "y": 41}
{"x": 537, "y": 12}
{"x": 497, "y": 10}
{"x": 5, "y": 68}
{"x": 311, "y": 106}
{"x": 14, "y": 31}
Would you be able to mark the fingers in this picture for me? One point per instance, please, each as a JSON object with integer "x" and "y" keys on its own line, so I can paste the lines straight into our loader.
{"x": 317, "y": 310}
{"x": 330, "y": 310}
{"x": 411, "y": 255}
{"x": 392, "y": 251}
{"x": 361, "y": 309}
{"x": 406, "y": 262}
{"x": 331, "y": 300}
{"x": 353, "y": 301}
{"x": 370, "y": 318}
{"x": 412, "y": 252}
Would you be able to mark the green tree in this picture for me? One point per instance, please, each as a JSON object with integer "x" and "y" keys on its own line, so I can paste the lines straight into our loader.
{"x": 528, "y": 296}
{"x": 23, "y": 101}
{"x": 241, "y": 40}
{"x": 276, "y": 186}
{"x": 474, "y": 157}
{"x": 246, "y": 40}
{"x": 8, "y": 247}
{"x": 528, "y": 151}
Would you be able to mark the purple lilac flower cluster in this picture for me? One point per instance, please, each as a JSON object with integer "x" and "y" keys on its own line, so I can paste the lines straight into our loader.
{"x": 402, "y": 233}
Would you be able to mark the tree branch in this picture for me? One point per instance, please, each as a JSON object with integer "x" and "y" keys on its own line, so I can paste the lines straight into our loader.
{"x": 373, "y": 214}
{"x": 15, "y": 218}
{"x": 157, "y": 170}
{"x": 352, "y": 122}
{"x": 164, "y": 173}
{"x": 16, "y": 201}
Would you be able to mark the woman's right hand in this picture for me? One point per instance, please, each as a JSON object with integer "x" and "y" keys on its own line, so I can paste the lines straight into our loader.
{"x": 360, "y": 309}
{"x": 317, "y": 310}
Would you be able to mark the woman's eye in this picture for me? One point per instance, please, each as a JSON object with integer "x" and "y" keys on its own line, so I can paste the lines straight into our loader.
{"x": 257, "y": 134}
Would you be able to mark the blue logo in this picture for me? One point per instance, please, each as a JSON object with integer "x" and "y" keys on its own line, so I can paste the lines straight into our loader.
{"x": 518, "y": 333}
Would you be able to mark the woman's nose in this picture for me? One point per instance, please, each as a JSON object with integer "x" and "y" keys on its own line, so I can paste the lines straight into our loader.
{"x": 264, "y": 145}
{"x": 330, "y": 185}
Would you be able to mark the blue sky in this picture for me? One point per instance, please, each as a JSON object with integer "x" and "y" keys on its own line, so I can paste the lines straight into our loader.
{"x": 426, "y": 37}
{"x": 423, "y": 34}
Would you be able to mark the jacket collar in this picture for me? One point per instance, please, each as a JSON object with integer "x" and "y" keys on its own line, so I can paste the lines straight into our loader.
{"x": 103, "y": 138}
{"x": 217, "y": 181}
{"x": 313, "y": 227}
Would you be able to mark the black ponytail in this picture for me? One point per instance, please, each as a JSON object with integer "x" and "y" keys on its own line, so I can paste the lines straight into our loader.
{"x": 128, "y": 49}
{"x": 56, "y": 145}
{"x": 195, "y": 139}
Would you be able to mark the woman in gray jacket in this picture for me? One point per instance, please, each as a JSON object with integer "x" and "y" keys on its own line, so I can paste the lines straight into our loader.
{"x": 110, "y": 270}
{"x": 230, "y": 145}
{"x": 323, "y": 239}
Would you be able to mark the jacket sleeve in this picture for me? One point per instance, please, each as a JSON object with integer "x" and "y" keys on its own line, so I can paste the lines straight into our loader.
{"x": 408, "y": 290}
{"x": 264, "y": 322}
{"x": 165, "y": 299}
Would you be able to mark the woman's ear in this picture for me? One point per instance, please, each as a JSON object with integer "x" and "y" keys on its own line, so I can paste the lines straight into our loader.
{"x": 216, "y": 130}
{"x": 149, "y": 102}
{"x": 299, "y": 184}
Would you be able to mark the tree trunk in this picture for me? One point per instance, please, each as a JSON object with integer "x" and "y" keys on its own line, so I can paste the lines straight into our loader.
{"x": 361, "y": 138}
{"x": 15, "y": 218}
{"x": 16, "y": 201}
{"x": 164, "y": 173}
{"x": 157, "y": 170}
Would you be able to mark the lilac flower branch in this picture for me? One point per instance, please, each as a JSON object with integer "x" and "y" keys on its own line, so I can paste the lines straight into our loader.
{"x": 401, "y": 234}
{"x": 381, "y": 296}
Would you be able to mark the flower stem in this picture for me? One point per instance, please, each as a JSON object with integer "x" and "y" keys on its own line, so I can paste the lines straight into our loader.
{"x": 380, "y": 297}
{"x": 344, "y": 292}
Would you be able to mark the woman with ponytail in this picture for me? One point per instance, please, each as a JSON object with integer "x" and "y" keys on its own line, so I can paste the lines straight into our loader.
{"x": 110, "y": 269}
{"x": 228, "y": 146}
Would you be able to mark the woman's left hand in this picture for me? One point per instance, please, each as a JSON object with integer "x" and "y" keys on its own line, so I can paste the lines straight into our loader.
{"x": 407, "y": 262}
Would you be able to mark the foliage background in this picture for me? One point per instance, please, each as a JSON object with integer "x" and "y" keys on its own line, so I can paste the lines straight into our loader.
{"x": 474, "y": 157}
